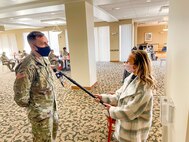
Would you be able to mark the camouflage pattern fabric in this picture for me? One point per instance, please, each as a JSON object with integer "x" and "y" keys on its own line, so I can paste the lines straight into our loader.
{"x": 5, "y": 61}
{"x": 53, "y": 60}
{"x": 34, "y": 89}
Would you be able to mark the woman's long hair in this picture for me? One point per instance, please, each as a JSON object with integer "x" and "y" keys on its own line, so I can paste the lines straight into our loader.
{"x": 143, "y": 70}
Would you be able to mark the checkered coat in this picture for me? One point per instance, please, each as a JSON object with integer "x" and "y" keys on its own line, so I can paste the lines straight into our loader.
{"x": 132, "y": 109}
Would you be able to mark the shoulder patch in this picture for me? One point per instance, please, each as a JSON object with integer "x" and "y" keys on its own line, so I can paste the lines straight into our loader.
{"x": 20, "y": 75}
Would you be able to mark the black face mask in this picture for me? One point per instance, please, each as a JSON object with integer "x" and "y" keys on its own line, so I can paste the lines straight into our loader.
{"x": 43, "y": 51}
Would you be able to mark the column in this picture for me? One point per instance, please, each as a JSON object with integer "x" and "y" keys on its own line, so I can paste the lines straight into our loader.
{"x": 114, "y": 41}
{"x": 178, "y": 69}
{"x": 80, "y": 27}
{"x": 135, "y": 33}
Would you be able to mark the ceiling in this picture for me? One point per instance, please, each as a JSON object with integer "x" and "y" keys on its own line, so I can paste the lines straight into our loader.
{"x": 16, "y": 14}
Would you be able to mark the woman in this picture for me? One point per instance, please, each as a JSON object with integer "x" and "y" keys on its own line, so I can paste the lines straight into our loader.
{"x": 132, "y": 104}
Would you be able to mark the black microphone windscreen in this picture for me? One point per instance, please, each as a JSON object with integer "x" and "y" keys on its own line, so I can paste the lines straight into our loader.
{"x": 54, "y": 70}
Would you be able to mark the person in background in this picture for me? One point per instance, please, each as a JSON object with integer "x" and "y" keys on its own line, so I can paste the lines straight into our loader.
{"x": 24, "y": 54}
{"x": 34, "y": 89}
{"x": 54, "y": 60}
{"x": 6, "y": 61}
{"x": 131, "y": 105}
{"x": 65, "y": 53}
{"x": 18, "y": 56}
{"x": 164, "y": 49}
{"x": 134, "y": 48}
{"x": 66, "y": 59}
{"x": 152, "y": 53}
{"x": 141, "y": 47}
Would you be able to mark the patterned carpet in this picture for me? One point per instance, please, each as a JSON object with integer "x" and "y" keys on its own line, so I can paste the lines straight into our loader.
{"x": 80, "y": 118}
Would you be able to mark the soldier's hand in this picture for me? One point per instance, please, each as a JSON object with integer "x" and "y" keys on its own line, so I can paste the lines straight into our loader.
{"x": 98, "y": 98}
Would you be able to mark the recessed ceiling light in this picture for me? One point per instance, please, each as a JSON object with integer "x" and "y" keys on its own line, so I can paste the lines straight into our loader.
{"x": 11, "y": 18}
{"x": 116, "y": 8}
{"x": 148, "y": 0}
{"x": 54, "y": 21}
{"x": 53, "y": 13}
{"x": 24, "y": 19}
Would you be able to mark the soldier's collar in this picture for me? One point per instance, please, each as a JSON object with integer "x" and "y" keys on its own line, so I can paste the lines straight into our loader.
{"x": 38, "y": 59}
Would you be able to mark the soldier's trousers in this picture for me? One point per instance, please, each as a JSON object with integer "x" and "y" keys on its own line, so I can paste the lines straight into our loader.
{"x": 45, "y": 130}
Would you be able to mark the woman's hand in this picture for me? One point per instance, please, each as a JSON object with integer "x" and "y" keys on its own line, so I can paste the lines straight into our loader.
{"x": 107, "y": 106}
{"x": 98, "y": 98}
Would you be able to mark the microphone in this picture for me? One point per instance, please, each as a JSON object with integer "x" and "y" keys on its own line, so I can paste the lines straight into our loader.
{"x": 60, "y": 75}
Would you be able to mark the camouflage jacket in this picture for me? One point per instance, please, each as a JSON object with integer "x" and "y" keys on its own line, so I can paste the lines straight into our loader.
{"x": 53, "y": 59}
{"x": 4, "y": 59}
{"x": 34, "y": 87}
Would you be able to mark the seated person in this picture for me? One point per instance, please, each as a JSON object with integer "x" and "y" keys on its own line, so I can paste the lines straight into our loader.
{"x": 164, "y": 49}
{"x": 6, "y": 61}
{"x": 54, "y": 60}
{"x": 24, "y": 54}
{"x": 151, "y": 51}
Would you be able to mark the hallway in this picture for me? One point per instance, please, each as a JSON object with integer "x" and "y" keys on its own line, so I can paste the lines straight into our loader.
{"x": 80, "y": 118}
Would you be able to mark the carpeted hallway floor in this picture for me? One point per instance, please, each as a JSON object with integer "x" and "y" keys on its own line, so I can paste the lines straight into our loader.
{"x": 81, "y": 119}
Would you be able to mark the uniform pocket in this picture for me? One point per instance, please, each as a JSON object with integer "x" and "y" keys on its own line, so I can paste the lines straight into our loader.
{"x": 38, "y": 114}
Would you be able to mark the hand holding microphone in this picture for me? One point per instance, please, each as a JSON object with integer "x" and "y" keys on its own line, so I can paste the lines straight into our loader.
{"x": 98, "y": 98}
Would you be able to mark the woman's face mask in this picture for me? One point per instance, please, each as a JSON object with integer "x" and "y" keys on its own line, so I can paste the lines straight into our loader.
{"x": 43, "y": 51}
{"x": 129, "y": 67}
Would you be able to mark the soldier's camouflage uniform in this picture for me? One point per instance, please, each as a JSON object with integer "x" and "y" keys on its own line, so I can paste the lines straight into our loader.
{"x": 5, "y": 61}
{"x": 53, "y": 59}
{"x": 34, "y": 89}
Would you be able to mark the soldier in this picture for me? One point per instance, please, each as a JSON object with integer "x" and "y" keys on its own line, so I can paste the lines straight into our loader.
{"x": 24, "y": 54}
{"x": 54, "y": 60}
{"x": 34, "y": 89}
{"x": 6, "y": 61}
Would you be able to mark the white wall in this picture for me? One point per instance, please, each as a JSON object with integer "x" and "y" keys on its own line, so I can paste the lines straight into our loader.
{"x": 178, "y": 68}
{"x": 8, "y": 44}
{"x": 126, "y": 40}
{"x": 102, "y": 43}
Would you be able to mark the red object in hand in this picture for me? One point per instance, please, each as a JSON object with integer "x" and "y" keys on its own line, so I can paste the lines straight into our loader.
{"x": 111, "y": 121}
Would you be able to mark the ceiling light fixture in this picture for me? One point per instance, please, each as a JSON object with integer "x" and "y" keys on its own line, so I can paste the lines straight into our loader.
{"x": 56, "y": 21}
{"x": 116, "y": 8}
{"x": 24, "y": 19}
{"x": 148, "y": 0}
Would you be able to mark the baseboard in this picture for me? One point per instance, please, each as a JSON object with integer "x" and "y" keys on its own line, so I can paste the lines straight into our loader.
{"x": 86, "y": 87}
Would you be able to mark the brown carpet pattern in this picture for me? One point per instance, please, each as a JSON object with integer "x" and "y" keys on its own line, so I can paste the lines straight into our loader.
{"x": 80, "y": 118}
